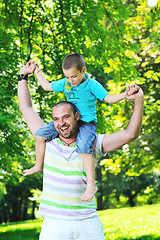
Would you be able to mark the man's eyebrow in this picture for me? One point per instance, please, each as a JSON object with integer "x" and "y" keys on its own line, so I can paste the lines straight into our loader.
{"x": 66, "y": 115}
{"x": 55, "y": 117}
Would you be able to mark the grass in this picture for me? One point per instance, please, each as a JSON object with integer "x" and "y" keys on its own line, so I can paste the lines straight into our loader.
{"x": 26, "y": 230}
{"x": 140, "y": 223}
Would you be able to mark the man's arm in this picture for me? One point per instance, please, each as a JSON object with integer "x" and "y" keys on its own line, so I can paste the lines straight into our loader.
{"x": 32, "y": 119}
{"x": 118, "y": 139}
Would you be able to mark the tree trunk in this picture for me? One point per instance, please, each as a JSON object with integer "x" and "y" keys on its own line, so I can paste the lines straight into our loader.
{"x": 107, "y": 189}
{"x": 14, "y": 212}
{"x": 100, "y": 189}
{"x": 25, "y": 208}
{"x": 33, "y": 209}
{"x": 131, "y": 200}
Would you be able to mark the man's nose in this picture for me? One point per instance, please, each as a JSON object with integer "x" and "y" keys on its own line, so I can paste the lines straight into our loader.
{"x": 61, "y": 121}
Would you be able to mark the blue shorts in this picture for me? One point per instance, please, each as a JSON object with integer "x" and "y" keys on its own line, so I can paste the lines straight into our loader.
{"x": 85, "y": 138}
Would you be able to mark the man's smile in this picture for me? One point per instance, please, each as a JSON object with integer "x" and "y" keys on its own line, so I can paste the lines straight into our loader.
{"x": 64, "y": 129}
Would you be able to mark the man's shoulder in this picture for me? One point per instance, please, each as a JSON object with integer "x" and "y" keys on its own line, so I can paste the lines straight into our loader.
{"x": 97, "y": 146}
{"x": 99, "y": 139}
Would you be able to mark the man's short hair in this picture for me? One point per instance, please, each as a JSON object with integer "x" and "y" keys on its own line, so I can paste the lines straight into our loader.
{"x": 73, "y": 60}
{"x": 62, "y": 103}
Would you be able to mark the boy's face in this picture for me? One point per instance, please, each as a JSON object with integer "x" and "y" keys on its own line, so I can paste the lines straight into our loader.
{"x": 74, "y": 76}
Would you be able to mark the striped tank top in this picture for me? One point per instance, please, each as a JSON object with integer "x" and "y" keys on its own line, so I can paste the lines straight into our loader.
{"x": 64, "y": 182}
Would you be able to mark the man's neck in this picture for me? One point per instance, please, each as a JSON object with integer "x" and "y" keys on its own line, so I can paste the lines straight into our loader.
{"x": 68, "y": 141}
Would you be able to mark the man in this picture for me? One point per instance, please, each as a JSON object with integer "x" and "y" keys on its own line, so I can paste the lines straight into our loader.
{"x": 66, "y": 216}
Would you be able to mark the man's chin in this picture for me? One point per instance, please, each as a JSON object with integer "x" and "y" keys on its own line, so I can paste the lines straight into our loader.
{"x": 64, "y": 135}
{"x": 68, "y": 134}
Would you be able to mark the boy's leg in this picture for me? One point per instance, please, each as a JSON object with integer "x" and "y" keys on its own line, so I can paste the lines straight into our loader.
{"x": 85, "y": 139}
{"x": 40, "y": 152}
{"x": 45, "y": 133}
{"x": 90, "y": 172}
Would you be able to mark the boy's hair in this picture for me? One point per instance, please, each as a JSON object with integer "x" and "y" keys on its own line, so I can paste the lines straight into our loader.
{"x": 62, "y": 103}
{"x": 73, "y": 60}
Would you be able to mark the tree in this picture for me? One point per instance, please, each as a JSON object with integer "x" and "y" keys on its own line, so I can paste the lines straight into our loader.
{"x": 119, "y": 41}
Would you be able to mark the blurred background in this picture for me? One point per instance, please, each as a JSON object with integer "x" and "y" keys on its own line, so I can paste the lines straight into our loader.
{"x": 119, "y": 40}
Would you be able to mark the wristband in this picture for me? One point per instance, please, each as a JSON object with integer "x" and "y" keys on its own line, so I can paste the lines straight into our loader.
{"x": 22, "y": 77}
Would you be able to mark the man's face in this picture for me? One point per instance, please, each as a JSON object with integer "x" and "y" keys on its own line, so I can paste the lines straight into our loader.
{"x": 74, "y": 76}
{"x": 64, "y": 121}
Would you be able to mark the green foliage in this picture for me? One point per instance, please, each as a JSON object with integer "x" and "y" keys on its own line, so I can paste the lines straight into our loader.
{"x": 120, "y": 43}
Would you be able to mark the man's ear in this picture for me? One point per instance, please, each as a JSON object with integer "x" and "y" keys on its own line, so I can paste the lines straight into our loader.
{"x": 77, "y": 116}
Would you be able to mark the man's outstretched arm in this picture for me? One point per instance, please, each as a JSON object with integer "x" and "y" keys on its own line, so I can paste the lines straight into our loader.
{"x": 118, "y": 139}
{"x": 32, "y": 119}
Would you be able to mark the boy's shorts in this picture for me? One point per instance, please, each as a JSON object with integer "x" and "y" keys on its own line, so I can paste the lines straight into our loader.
{"x": 85, "y": 138}
{"x": 87, "y": 229}
{"x": 47, "y": 131}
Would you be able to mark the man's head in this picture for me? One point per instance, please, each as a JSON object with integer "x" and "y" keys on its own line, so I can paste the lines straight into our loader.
{"x": 74, "y": 68}
{"x": 65, "y": 118}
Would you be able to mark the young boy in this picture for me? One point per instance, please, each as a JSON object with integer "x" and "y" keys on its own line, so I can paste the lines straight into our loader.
{"x": 83, "y": 93}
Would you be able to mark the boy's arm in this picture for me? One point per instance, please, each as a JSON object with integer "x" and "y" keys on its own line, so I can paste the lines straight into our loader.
{"x": 115, "y": 98}
{"x": 118, "y": 139}
{"x": 42, "y": 80}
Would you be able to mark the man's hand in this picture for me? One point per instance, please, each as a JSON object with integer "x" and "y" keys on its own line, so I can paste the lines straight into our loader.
{"x": 28, "y": 68}
{"x": 32, "y": 63}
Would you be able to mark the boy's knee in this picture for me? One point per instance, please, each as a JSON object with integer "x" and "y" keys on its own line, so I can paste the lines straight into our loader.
{"x": 84, "y": 148}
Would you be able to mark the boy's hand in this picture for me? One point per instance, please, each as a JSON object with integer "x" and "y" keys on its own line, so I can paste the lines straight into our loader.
{"x": 31, "y": 63}
{"x": 133, "y": 91}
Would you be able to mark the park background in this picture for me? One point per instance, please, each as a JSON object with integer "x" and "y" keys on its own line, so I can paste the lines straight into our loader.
{"x": 119, "y": 40}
